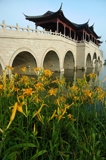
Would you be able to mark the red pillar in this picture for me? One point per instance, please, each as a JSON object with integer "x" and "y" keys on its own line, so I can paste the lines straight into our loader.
{"x": 57, "y": 27}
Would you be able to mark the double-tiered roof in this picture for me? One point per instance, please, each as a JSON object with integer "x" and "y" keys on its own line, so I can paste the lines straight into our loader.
{"x": 56, "y": 21}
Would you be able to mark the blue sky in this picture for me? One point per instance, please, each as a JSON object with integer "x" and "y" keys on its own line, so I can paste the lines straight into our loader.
{"x": 77, "y": 11}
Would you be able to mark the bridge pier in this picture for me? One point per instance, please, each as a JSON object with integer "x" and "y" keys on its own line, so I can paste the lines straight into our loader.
{"x": 62, "y": 70}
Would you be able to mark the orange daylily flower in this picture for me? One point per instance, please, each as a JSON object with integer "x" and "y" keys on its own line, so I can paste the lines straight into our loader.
{"x": 52, "y": 91}
{"x": 1, "y": 86}
{"x": 23, "y": 69}
{"x": 47, "y": 73}
{"x": 16, "y": 107}
{"x": 28, "y": 91}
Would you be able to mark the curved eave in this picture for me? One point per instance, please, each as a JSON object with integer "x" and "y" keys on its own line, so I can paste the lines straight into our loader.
{"x": 59, "y": 14}
{"x": 93, "y": 32}
{"x": 100, "y": 41}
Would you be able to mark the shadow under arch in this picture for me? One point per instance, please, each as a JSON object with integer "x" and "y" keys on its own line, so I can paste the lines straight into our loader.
{"x": 23, "y": 58}
{"x": 98, "y": 58}
{"x": 88, "y": 61}
{"x": 51, "y": 61}
{"x": 69, "y": 65}
{"x": 69, "y": 61}
{"x": 94, "y": 55}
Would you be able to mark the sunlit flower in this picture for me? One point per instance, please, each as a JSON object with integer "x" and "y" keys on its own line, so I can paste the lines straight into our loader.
{"x": 25, "y": 80}
{"x": 47, "y": 73}
{"x": 16, "y": 89}
{"x": 98, "y": 89}
{"x": 23, "y": 69}
{"x": 70, "y": 116}
{"x": 9, "y": 67}
{"x": 27, "y": 91}
{"x": 87, "y": 93}
{"x": 92, "y": 75}
{"x": 1, "y": 86}
{"x": 75, "y": 88}
{"x": 52, "y": 91}
{"x": 60, "y": 100}
{"x": 39, "y": 86}
{"x": 36, "y": 69}
{"x": 15, "y": 108}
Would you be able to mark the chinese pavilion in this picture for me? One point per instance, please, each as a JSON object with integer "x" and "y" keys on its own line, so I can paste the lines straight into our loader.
{"x": 56, "y": 21}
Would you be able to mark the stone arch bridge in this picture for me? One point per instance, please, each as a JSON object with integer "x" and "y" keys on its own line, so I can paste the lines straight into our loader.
{"x": 30, "y": 48}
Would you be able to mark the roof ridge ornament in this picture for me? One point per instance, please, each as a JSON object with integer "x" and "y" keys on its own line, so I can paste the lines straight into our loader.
{"x": 61, "y": 6}
{"x": 88, "y": 20}
{"x": 93, "y": 24}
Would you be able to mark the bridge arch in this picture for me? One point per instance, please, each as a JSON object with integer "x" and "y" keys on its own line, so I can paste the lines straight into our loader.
{"x": 98, "y": 58}
{"x": 51, "y": 60}
{"x": 94, "y": 56}
{"x": 88, "y": 61}
{"x": 23, "y": 57}
{"x": 69, "y": 60}
{"x": 95, "y": 60}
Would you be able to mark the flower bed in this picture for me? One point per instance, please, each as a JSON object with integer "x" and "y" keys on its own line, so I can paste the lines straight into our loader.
{"x": 42, "y": 118}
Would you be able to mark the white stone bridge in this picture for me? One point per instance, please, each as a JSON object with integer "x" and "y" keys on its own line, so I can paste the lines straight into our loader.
{"x": 30, "y": 48}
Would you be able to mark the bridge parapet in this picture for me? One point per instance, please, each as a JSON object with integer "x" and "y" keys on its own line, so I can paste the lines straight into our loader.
{"x": 4, "y": 28}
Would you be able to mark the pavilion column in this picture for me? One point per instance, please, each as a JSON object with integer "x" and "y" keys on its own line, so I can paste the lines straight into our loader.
{"x": 64, "y": 30}
{"x": 91, "y": 38}
{"x": 83, "y": 36}
{"x": 74, "y": 35}
{"x": 88, "y": 38}
{"x": 70, "y": 33}
{"x": 57, "y": 26}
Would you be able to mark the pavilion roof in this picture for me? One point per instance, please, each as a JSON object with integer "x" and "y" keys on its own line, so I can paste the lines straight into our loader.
{"x": 49, "y": 16}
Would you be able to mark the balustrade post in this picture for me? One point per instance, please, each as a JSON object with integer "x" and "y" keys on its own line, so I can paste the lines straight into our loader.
{"x": 28, "y": 28}
{"x": 4, "y": 25}
{"x": 17, "y": 27}
{"x": 36, "y": 29}
{"x": 43, "y": 30}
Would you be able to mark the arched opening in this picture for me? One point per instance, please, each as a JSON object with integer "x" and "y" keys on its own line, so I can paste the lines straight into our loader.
{"x": 98, "y": 58}
{"x": 51, "y": 61}
{"x": 88, "y": 61}
{"x": 94, "y": 56}
{"x": 24, "y": 59}
{"x": 95, "y": 61}
{"x": 69, "y": 61}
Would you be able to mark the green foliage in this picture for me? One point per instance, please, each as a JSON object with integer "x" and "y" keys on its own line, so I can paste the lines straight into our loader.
{"x": 47, "y": 119}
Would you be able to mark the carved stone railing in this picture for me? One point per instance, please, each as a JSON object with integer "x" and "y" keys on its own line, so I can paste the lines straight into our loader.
{"x": 4, "y": 26}
{"x": 28, "y": 30}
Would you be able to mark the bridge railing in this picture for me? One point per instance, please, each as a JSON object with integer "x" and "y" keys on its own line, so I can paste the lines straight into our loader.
{"x": 4, "y": 26}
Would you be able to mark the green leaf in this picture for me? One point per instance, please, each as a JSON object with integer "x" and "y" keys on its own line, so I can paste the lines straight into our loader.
{"x": 11, "y": 156}
{"x": 38, "y": 154}
{"x": 22, "y": 145}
